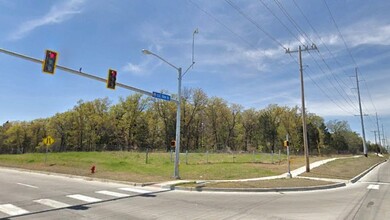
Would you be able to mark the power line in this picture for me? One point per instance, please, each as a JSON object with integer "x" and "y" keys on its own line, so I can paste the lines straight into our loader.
{"x": 221, "y": 23}
{"x": 280, "y": 21}
{"x": 324, "y": 92}
{"x": 302, "y": 32}
{"x": 345, "y": 44}
{"x": 258, "y": 26}
{"x": 319, "y": 37}
{"x": 338, "y": 30}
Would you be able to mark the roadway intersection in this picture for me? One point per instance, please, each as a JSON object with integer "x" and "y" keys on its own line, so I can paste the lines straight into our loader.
{"x": 28, "y": 195}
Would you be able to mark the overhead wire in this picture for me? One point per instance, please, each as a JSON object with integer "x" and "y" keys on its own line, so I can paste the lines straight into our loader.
{"x": 221, "y": 23}
{"x": 238, "y": 9}
{"x": 295, "y": 24}
{"x": 319, "y": 37}
{"x": 346, "y": 46}
{"x": 325, "y": 93}
{"x": 303, "y": 33}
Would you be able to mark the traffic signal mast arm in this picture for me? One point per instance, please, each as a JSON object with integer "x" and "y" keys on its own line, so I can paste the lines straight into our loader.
{"x": 77, "y": 72}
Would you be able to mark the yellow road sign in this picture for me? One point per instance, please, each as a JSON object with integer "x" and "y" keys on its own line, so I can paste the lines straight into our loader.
{"x": 48, "y": 140}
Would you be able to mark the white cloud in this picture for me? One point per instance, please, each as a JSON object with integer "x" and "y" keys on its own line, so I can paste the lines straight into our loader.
{"x": 366, "y": 32}
{"x": 57, "y": 14}
{"x": 132, "y": 68}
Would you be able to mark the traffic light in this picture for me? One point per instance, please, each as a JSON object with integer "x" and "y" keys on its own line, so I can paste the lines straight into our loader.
{"x": 111, "y": 79}
{"x": 50, "y": 62}
{"x": 286, "y": 143}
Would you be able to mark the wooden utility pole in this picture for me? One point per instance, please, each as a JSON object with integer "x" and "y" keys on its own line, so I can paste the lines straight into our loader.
{"x": 305, "y": 141}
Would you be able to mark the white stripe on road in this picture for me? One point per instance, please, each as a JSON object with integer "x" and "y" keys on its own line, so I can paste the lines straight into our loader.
{"x": 84, "y": 198}
{"x": 52, "y": 203}
{"x": 115, "y": 194}
{"x": 135, "y": 190}
{"x": 372, "y": 186}
{"x": 12, "y": 210}
{"x": 31, "y": 186}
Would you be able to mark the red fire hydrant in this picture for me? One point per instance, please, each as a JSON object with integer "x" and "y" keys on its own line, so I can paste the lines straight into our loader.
{"x": 93, "y": 168}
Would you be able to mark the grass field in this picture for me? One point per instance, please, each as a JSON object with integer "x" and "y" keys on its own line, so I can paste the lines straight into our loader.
{"x": 132, "y": 166}
{"x": 345, "y": 169}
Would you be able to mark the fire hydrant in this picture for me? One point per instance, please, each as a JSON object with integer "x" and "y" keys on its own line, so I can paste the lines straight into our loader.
{"x": 93, "y": 168}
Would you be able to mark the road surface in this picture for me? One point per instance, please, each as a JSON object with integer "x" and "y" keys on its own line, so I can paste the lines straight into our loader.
{"x": 26, "y": 195}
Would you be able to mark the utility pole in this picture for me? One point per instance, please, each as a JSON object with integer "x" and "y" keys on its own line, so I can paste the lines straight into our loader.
{"x": 383, "y": 137}
{"x": 361, "y": 115}
{"x": 375, "y": 137}
{"x": 305, "y": 142}
{"x": 377, "y": 125}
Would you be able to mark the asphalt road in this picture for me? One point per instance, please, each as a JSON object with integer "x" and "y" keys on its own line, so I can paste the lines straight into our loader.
{"x": 25, "y": 195}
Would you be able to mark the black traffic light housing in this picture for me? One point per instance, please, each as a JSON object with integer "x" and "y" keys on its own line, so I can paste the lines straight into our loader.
{"x": 50, "y": 62}
{"x": 111, "y": 79}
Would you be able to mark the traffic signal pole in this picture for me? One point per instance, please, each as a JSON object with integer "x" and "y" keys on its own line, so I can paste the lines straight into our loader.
{"x": 76, "y": 72}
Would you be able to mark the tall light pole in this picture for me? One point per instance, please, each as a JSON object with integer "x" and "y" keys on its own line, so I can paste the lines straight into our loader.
{"x": 178, "y": 111}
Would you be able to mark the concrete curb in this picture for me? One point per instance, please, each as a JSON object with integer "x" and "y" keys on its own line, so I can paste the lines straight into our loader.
{"x": 277, "y": 189}
{"x": 87, "y": 178}
{"x": 358, "y": 177}
{"x": 283, "y": 189}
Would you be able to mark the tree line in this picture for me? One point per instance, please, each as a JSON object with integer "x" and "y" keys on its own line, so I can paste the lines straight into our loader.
{"x": 139, "y": 123}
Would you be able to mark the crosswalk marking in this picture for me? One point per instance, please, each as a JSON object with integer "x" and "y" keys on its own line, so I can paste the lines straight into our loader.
{"x": 135, "y": 190}
{"x": 115, "y": 194}
{"x": 31, "y": 186}
{"x": 12, "y": 210}
{"x": 372, "y": 186}
{"x": 51, "y": 203}
{"x": 84, "y": 198}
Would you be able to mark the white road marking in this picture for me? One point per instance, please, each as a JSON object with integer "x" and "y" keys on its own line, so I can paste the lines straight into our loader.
{"x": 115, "y": 194}
{"x": 135, "y": 190}
{"x": 84, "y": 198}
{"x": 372, "y": 186}
{"x": 31, "y": 186}
{"x": 12, "y": 210}
{"x": 52, "y": 203}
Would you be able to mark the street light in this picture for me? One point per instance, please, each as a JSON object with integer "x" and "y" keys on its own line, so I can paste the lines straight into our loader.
{"x": 178, "y": 111}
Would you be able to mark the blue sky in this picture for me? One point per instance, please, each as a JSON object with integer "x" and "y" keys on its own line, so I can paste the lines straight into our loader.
{"x": 239, "y": 53}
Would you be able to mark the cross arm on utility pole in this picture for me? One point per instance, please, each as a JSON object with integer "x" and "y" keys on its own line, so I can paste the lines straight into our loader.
{"x": 305, "y": 141}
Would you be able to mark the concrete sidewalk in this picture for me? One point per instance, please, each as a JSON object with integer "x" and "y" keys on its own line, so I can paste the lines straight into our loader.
{"x": 294, "y": 173}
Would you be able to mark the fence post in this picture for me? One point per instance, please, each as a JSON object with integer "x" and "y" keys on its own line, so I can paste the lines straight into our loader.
{"x": 147, "y": 155}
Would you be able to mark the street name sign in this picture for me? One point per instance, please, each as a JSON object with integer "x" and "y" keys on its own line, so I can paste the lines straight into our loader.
{"x": 161, "y": 96}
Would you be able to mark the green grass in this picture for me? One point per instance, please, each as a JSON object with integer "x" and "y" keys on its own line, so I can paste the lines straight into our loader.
{"x": 131, "y": 166}
{"x": 345, "y": 169}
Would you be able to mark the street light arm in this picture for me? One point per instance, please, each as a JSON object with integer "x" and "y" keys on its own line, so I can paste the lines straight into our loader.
{"x": 147, "y": 52}
{"x": 193, "y": 63}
